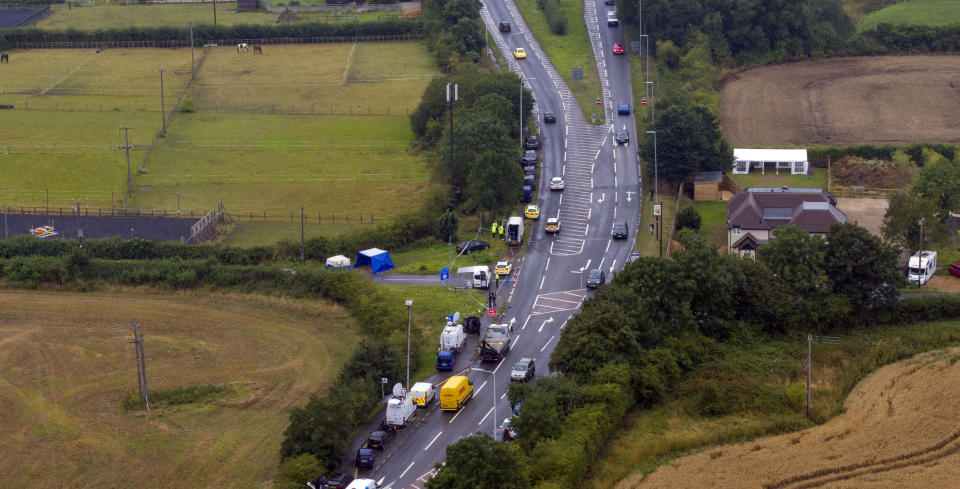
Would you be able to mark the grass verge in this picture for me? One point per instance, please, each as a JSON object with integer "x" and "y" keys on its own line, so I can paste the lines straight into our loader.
{"x": 914, "y": 12}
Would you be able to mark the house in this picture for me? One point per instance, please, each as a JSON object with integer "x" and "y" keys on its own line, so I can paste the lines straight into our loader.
{"x": 706, "y": 186}
{"x": 746, "y": 159}
{"x": 754, "y": 213}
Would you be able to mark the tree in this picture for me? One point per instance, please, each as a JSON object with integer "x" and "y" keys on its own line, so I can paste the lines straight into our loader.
{"x": 479, "y": 461}
{"x": 940, "y": 183}
{"x": 901, "y": 222}
{"x": 541, "y": 419}
{"x": 301, "y": 469}
{"x": 688, "y": 140}
{"x": 493, "y": 182}
{"x": 797, "y": 258}
{"x": 861, "y": 267}
{"x": 448, "y": 224}
{"x": 688, "y": 218}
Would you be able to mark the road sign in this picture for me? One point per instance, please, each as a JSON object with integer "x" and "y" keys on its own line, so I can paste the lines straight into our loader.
{"x": 577, "y": 73}
{"x": 599, "y": 101}
{"x": 383, "y": 380}
{"x": 444, "y": 273}
{"x": 593, "y": 117}
{"x": 656, "y": 210}
{"x": 491, "y": 312}
{"x": 643, "y": 101}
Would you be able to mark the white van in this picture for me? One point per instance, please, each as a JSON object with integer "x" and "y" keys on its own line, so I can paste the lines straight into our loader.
{"x": 921, "y": 267}
{"x": 452, "y": 337}
{"x": 422, "y": 393}
{"x": 363, "y": 484}
{"x": 477, "y": 277}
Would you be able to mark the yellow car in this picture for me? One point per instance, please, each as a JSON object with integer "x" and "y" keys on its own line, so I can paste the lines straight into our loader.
{"x": 503, "y": 268}
{"x": 519, "y": 53}
{"x": 532, "y": 212}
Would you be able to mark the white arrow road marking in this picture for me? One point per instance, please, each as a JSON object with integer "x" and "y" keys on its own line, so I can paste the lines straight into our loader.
{"x": 408, "y": 469}
{"x": 602, "y": 196}
{"x": 547, "y": 343}
{"x": 428, "y": 446}
{"x": 550, "y": 320}
{"x": 628, "y": 195}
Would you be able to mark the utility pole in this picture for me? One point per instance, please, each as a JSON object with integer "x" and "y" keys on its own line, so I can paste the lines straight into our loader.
{"x": 301, "y": 235}
{"x": 450, "y": 100}
{"x": 214, "y": 13}
{"x": 141, "y": 363}
{"x": 126, "y": 146}
{"x": 521, "y": 113}
{"x": 193, "y": 73}
{"x": 163, "y": 110}
{"x": 409, "y": 303}
{"x": 833, "y": 340}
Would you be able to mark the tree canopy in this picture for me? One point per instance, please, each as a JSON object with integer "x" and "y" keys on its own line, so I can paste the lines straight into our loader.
{"x": 688, "y": 140}
{"x": 479, "y": 461}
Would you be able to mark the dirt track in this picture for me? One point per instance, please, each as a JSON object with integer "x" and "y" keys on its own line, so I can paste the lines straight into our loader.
{"x": 844, "y": 101}
{"x": 901, "y": 430}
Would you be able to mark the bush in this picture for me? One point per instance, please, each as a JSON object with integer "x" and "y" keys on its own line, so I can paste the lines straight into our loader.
{"x": 688, "y": 218}
{"x": 187, "y": 106}
{"x": 301, "y": 469}
{"x": 556, "y": 18}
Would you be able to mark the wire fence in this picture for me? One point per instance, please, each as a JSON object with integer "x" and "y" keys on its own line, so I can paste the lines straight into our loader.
{"x": 248, "y": 216}
{"x": 319, "y": 109}
{"x": 211, "y": 43}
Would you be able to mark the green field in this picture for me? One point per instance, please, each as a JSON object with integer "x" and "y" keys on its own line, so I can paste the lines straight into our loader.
{"x": 155, "y": 15}
{"x": 771, "y": 179}
{"x": 568, "y": 51}
{"x": 713, "y": 220}
{"x": 915, "y": 12}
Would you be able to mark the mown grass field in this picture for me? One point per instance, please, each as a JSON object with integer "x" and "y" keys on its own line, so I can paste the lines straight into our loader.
{"x": 772, "y": 179}
{"x": 67, "y": 363}
{"x": 915, "y": 12}
{"x": 63, "y": 134}
{"x": 571, "y": 50}
{"x": 156, "y": 15}
{"x": 713, "y": 220}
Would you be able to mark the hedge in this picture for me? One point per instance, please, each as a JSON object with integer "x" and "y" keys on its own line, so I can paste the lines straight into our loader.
{"x": 820, "y": 154}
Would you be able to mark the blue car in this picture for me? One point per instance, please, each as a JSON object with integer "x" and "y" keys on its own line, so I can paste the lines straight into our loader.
{"x": 365, "y": 458}
{"x": 623, "y": 108}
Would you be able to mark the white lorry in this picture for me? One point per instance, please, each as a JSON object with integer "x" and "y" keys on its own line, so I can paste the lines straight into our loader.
{"x": 477, "y": 277}
{"x": 400, "y": 407}
{"x": 515, "y": 230}
{"x": 921, "y": 267}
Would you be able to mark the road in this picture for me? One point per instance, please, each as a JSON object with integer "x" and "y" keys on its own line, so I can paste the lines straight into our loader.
{"x": 602, "y": 187}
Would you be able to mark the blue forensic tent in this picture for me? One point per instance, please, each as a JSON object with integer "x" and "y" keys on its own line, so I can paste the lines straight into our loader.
{"x": 379, "y": 260}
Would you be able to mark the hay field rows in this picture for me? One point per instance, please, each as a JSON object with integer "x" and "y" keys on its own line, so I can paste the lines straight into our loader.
{"x": 900, "y": 430}
{"x": 66, "y": 363}
{"x": 844, "y": 101}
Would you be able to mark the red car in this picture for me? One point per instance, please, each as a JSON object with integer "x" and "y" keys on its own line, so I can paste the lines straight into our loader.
{"x": 617, "y": 48}
{"x": 954, "y": 269}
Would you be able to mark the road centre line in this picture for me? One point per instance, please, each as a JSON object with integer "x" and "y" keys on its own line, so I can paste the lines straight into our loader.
{"x": 408, "y": 469}
{"x": 614, "y": 212}
{"x": 601, "y": 262}
{"x": 525, "y": 323}
{"x": 585, "y": 230}
{"x": 542, "y": 279}
{"x": 485, "y": 417}
{"x": 547, "y": 266}
{"x": 608, "y": 246}
{"x": 453, "y": 418}
{"x": 515, "y": 340}
{"x": 431, "y": 443}
{"x": 481, "y": 387}
{"x": 546, "y": 344}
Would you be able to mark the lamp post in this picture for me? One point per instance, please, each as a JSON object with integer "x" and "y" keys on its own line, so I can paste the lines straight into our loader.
{"x": 163, "y": 113}
{"x": 521, "y": 113}
{"x": 647, "y": 63}
{"x": 653, "y": 105}
{"x": 656, "y": 189}
{"x": 921, "y": 221}
{"x": 409, "y": 303}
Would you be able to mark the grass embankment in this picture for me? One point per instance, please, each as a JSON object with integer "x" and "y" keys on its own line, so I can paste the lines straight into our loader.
{"x": 63, "y": 134}
{"x": 914, "y": 12}
{"x": 652, "y": 438}
{"x": 571, "y": 50}
{"x": 67, "y": 365}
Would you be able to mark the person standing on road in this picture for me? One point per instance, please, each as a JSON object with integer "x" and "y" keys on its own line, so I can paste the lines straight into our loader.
{"x": 496, "y": 277}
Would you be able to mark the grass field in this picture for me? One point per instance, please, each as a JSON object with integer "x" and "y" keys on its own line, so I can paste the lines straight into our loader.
{"x": 713, "y": 220}
{"x": 569, "y": 51}
{"x": 157, "y": 15}
{"x": 63, "y": 133}
{"x": 653, "y": 440}
{"x": 245, "y": 234}
{"x": 66, "y": 365}
{"x": 914, "y": 12}
{"x": 771, "y": 179}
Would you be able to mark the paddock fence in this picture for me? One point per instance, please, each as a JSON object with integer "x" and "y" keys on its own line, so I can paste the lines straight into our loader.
{"x": 243, "y": 216}
{"x": 185, "y": 43}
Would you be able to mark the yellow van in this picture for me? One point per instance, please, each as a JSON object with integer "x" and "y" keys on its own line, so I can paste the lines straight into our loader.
{"x": 456, "y": 391}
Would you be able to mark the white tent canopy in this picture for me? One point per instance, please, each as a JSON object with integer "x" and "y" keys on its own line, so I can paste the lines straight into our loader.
{"x": 795, "y": 160}
{"x": 338, "y": 262}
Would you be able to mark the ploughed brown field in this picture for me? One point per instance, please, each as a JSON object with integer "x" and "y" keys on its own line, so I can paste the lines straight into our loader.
{"x": 900, "y": 430}
{"x": 844, "y": 101}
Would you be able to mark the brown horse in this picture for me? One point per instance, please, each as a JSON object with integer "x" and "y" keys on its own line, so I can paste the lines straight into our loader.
{"x": 5, "y": 58}
{"x": 173, "y": 44}
{"x": 257, "y": 50}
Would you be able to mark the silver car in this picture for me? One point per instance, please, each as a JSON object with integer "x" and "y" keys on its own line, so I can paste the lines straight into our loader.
{"x": 524, "y": 370}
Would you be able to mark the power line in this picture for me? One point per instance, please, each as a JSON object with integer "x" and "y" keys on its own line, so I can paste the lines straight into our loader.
{"x": 141, "y": 363}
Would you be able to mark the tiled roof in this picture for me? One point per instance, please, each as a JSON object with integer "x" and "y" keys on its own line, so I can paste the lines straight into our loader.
{"x": 811, "y": 211}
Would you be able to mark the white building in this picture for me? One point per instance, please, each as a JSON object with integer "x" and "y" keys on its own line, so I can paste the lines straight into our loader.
{"x": 746, "y": 159}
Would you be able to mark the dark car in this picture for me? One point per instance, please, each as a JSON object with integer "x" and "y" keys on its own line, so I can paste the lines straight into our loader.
{"x": 504, "y": 27}
{"x": 339, "y": 480}
{"x": 619, "y": 230}
{"x": 365, "y": 457}
{"x": 531, "y": 143}
{"x": 623, "y": 136}
{"x": 470, "y": 246}
{"x": 596, "y": 278}
{"x": 549, "y": 117}
{"x": 530, "y": 180}
{"x": 608, "y": 2}
{"x": 529, "y": 158}
{"x": 377, "y": 439}
{"x": 954, "y": 269}
{"x": 623, "y": 108}
{"x": 471, "y": 325}
{"x": 530, "y": 169}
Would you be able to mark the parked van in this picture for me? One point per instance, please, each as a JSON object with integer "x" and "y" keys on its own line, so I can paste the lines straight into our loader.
{"x": 456, "y": 391}
{"x": 921, "y": 267}
{"x": 422, "y": 393}
{"x": 363, "y": 484}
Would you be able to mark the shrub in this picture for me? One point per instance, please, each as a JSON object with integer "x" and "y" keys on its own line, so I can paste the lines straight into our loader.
{"x": 187, "y": 106}
{"x": 302, "y": 468}
{"x": 556, "y": 18}
{"x": 688, "y": 218}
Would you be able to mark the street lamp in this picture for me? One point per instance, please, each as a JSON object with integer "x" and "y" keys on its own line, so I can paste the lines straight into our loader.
{"x": 656, "y": 187}
{"x": 653, "y": 111}
{"x": 647, "y": 64}
{"x": 409, "y": 303}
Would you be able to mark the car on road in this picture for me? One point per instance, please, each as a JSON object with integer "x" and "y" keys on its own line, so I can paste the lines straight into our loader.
{"x": 608, "y": 2}
{"x": 532, "y": 211}
{"x": 529, "y": 157}
{"x": 617, "y": 48}
{"x": 504, "y": 27}
{"x": 471, "y": 325}
{"x": 530, "y": 170}
{"x": 365, "y": 458}
{"x": 954, "y": 269}
{"x": 472, "y": 245}
{"x": 531, "y": 142}
{"x": 612, "y": 18}
{"x": 524, "y": 370}
{"x": 338, "y": 481}
{"x": 519, "y": 53}
{"x": 619, "y": 230}
{"x": 596, "y": 278}
{"x": 556, "y": 183}
{"x": 623, "y": 108}
{"x": 363, "y": 484}
{"x": 549, "y": 117}
{"x": 377, "y": 439}
{"x": 623, "y": 136}
{"x": 503, "y": 268}
{"x": 552, "y": 226}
